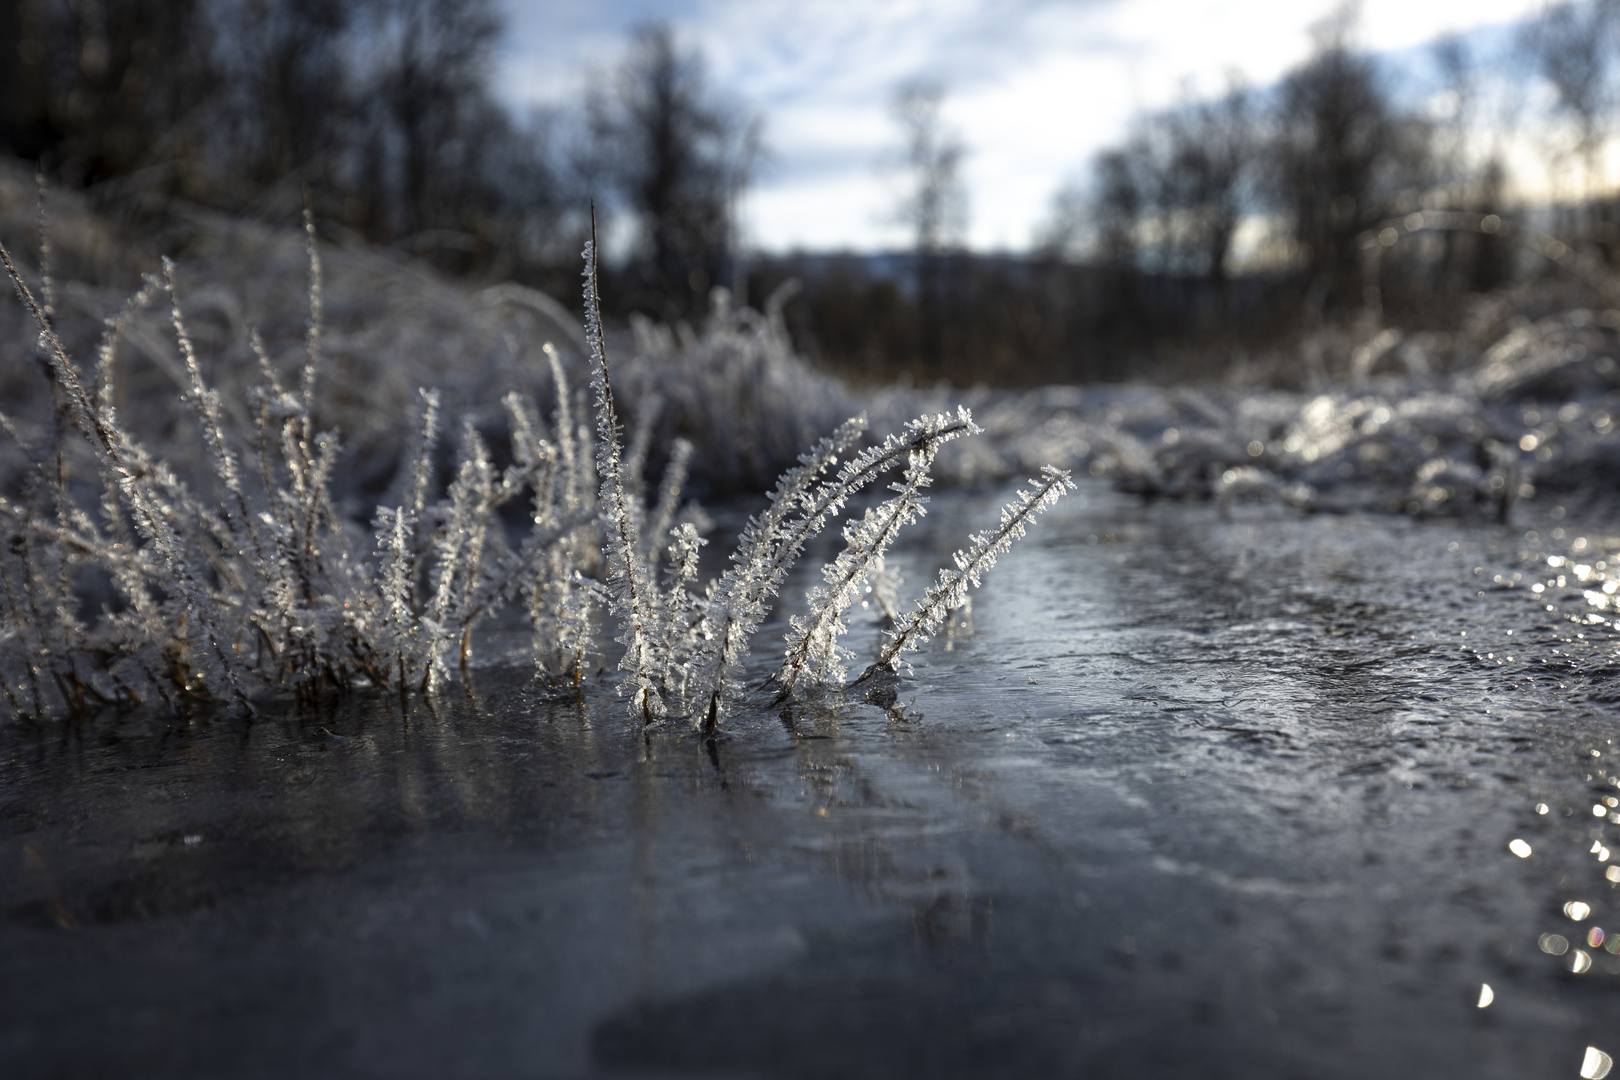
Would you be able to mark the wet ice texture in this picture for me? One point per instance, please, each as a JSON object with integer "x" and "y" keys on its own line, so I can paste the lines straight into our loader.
{"x": 1240, "y": 805}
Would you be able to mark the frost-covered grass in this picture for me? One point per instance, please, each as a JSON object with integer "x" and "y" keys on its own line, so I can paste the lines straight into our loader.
{"x": 131, "y": 579}
{"x": 1523, "y": 398}
{"x": 1521, "y": 395}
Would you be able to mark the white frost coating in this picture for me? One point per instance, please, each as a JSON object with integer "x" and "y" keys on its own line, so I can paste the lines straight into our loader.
{"x": 972, "y": 564}
{"x": 630, "y": 592}
{"x": 135, "y": 481}
{"x": 563, "y": 540}
{"x": 206, "y": 402}
{"x": 260, "y": 582}
{"x": 101, "y": 383}
{"x": 669, "y": 498}
{"x": 317, "y": 308}
{"x": 739, "y": 600}
{"x": 565, "y": 432}
{"x": 813, "y": 652}
{"x": 458, "y": 550}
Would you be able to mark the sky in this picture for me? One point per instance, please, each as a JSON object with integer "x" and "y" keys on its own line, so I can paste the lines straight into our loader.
{"x": 1034, "y": 87}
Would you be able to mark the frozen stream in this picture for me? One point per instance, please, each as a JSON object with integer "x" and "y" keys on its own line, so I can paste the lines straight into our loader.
{"x": 1196, "y": 798}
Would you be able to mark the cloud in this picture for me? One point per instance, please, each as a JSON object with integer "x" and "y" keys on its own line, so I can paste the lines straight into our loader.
{"x": 1036, "y": 86}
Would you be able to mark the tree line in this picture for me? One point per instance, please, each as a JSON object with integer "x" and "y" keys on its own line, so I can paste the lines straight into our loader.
{"x": 1225, "y": 227}
{"x": 383, "y": 116}
{"x": 1216, "y": 228}
{"x": 1324, "y": 157}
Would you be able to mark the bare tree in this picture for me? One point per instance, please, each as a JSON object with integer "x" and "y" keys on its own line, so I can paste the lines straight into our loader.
{"x": 100, "y": 88}
{"x": 1168, "y": 202}
{"x": 381, "y": 109}
{"x": 1119, "y": 205}
{"x": 934, "y": 204}
{"x": 290, "y": 110}
{"x": 1468, "y": 172}
{"x": 1459, "y": 77}
{"x": 1207, "y": 159}
{"x": 25, "y": 122}
{"x": 436, "y": 56}
{"x": 1572, "y": 46}
{"x": 1340, "y": 160}
{"x": 678, "y": 156}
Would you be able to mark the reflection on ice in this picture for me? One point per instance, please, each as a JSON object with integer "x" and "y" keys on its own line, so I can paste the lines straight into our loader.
{"x": 1577, "y": 910}
{"x": 1486, "y": 995}
{"x": 1596, "y": 1064}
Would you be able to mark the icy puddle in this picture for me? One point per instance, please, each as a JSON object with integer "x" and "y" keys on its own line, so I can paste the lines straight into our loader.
{"x": 1275, "y": 796}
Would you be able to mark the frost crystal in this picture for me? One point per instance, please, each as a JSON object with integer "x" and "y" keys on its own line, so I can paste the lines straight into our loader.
{"x": 972, "y": 563}
{"x": 249, "y": 576}
{"x": 630, "y": 592}
{"x": 813, "y": 649}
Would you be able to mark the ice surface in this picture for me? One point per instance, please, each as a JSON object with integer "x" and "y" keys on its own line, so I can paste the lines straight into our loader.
{"x": 1198, "y": 797}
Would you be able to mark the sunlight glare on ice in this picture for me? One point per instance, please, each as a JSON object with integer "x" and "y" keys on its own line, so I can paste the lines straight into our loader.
{"x": 1596, "y": 1064}
{"x": 1520, "y": 848}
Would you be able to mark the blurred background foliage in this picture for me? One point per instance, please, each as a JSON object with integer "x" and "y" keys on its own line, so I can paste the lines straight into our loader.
{"x": 1214, "y": 239}
{"x": 382, "y": 114}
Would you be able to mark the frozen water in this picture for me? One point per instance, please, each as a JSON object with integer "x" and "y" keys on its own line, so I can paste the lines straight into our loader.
{"x": 1194, "y": 797}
